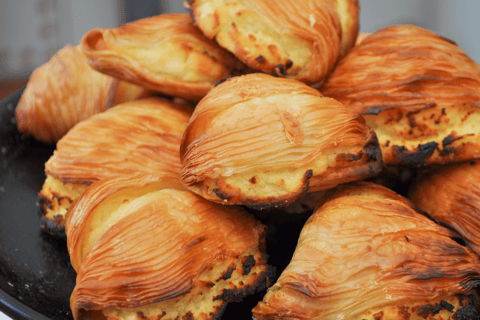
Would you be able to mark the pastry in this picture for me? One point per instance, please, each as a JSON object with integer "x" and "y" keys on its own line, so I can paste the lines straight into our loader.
{"x": 165, "y": 53}
{"x": 417, "y": 90}
{"x": 451, "y": 195}
{"x": 300, "y": 40}
{"x": 145, "y": 248}
{"x": 263, "y": 141}
{"x": 139, "y": 136}
{"x": 65, "y": 91}
{"x": 367, "y": 254}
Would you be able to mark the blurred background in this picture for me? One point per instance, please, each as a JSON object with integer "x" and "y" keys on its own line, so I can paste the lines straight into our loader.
{"x": 31, "y": 31}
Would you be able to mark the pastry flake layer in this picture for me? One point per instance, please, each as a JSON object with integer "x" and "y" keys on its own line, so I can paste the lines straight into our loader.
{"x": 263, "y": 141}
{"x": 417, "y": 90}
{"x": 367, "y": 252}
{"x": 144, "y": 246}
{"x": 165, "y": 53}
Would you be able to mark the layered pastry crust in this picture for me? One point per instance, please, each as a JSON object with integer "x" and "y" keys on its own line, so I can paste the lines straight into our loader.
{"x": 65, "y": 91}
{"x": 139, "y": 136}
{"x": 301, "y": 40}
{"x": 367, "y": 254}
{"x": 451, "y": 195}
{"x": 263, "y": 141}
{"x": 165, "y": 53}
{"x": 144, "y": 247}
{"x": 417, "y": 90}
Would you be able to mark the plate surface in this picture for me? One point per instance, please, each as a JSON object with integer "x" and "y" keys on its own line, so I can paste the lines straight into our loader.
{"x": 36, "y": 277}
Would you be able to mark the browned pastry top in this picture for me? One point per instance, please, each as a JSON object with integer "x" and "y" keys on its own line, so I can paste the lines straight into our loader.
{"x": 165, "y": 53}
{"x": 404, "y": 67}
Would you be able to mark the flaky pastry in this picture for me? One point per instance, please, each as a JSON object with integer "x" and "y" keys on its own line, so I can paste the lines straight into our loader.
{"x": 165, "y": 53}
{"x": 366, "y": 254}
{"x": 263, "y": 141}
{"x": 65, "y": 91}
{"x": 139, "y": 136}
{"x": 451, "y": 195}
{"x": 417, "y": 90}
{"x": 146, "y": 248}
{"x": 297, "y": 39}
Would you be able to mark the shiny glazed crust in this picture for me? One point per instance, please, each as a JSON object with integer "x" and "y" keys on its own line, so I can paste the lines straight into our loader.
{"x": 451, "y": 195}
{"x": 165, "y": 53}
{"x": 301, "y": 40}
{"x": 140, "y": 136}
{"x": 65, "y": 91}
{"x": 418, "y": 91}
{"x": 263, "y": 141}
{"x": 367, "y": 254}
{"x": 144, "y": 247}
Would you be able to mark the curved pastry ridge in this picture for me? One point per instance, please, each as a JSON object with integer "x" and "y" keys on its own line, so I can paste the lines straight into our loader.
{"x": 165, "y": 53}
{"x": 364, "y": 253}
{"x": 451, "y": 195}
{"x": 144, "y": 245}
{"x": 247, "y": 144}
{"x": 416, "y": 90}
{"x": 139, "y": 136}
{"x": 301, "y": 40}
{"x": 65, "y": 91}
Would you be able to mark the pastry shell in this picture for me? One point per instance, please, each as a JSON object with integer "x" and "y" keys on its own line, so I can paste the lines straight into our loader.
{"x": 366, "y": 253}
{"x": 262, "y": 141}
{"x": 417, "y": 90}
{"x": 139, "y": 136}
{"x": 165, "y": 53}
{"x": 144, "y": 247}
{"x": 300, "y": 40}
{"x": 65, "y": 91}
{"x": 451, "y": 195}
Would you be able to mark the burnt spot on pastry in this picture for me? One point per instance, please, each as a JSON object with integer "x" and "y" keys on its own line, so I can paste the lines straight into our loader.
{"x": 288, "y": 64}
{"x": 248, "y": 265}
{"x": 141, "y": 316}
{"x": 279, "y": 71}
{"x": 378, "y": 315}
{"x": 406, "y": 238}
{"x": 448, "y": 151}
{"x": 227, "y": 274}
{"x": 52, "y": 227}
{"x": 253, "y": 180}
{"x": 427, "y": 310}
{"x": 414, "y": 158}
{"x": 261, "y": 59}
{"x": 237, "y": 294}
{"x": 223, "y": 80}
{"x": 188, "y": 316}
{"x": 194, "y": 242}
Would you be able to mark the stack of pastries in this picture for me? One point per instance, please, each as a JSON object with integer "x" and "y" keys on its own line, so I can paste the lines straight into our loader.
{"x": 184, "y": 143}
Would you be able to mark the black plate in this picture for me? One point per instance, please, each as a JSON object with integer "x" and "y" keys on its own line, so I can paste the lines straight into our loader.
{"x": 36, "y": 277}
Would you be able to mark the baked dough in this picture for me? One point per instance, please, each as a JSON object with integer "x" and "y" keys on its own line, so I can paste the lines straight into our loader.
{"x": 451, "y": 195}
{"x": 144, "y": 247}
{"x": 418, "y": 91}
{"x": 139, "y": 136}
{"x": 298, "y": 39}
{"x": 65, "y": 91}
{"x": 165, "y": 53}
{"x": 263, "y": 141}
{"x": 367, "y": 254}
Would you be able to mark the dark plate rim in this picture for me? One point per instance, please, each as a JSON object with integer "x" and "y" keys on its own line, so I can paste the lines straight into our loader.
{"x": 8, "y": 304}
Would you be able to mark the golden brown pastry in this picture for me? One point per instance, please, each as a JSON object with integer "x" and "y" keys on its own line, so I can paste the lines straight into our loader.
{"x": 417, "y": 90}
{"x": 139, "y": 136}
{"x": 298, "y": 39}
{"x": 366, "y": 254}
{"x": 165, "y": 53}
{"x": 263, "y": 141}
{"x": 451, "y": 195}
{"x": 65, "y": 91}
{"x": 144, "y": 247}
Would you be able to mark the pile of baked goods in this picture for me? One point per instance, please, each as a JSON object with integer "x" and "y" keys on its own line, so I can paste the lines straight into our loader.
{"x": 181, "y": 137}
